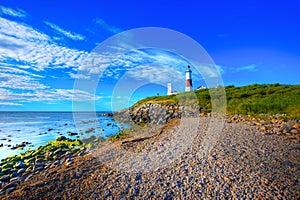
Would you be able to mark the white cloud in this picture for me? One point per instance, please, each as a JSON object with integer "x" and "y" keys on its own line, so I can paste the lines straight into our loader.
{"x": 49, "y": 95}
{"x": 113, "y": 65}
{"x": 9, "y": 104}
{"x": 11, "y": 69}
{"x": 25, "y": 55}
{"x": 5, "y": 94}
{"x": 22, "y": 82}
{"x": 251, "y": 67}
{"x": 71, "y": 35}
{"x": 225, "y": 69}
{"x": 78, "y": 76}
{"x": 156, "y": 74}
{"x": 107, "y": 26}
{"x": 26, "y": 46}
{"x": 12, "y": 12}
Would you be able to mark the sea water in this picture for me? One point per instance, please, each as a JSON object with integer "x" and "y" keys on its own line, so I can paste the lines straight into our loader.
{"x": 38, "y": 128}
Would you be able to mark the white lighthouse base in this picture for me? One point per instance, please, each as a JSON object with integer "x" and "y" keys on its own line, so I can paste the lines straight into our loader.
{"x": 188, "y": 89}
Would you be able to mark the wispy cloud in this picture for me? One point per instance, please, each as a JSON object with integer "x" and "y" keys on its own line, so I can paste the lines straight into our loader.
{"x": 108, "y": 27}
{"x": 113, "y": 66}
{"x": 26, "y": 56}
{"x": 152, "y": 65}
{"x": 71, "y": 35}
{"x": 78, "y": 76}
{"x": 12, "y": 69}
{"x": 49, "y": 95}
{"x": 29, "y": 48}
{"x": 10, "y": 104}
{"x": 12, "y": 12}
{"x": 21, "y": 82}
{"x": 156, "y": 74}
{"x": 251, "y": 67}
{"x": 230, "y": 69}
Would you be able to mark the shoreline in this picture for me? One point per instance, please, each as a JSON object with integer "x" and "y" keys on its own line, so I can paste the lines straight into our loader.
{"x": 69, "y": 159}
{"x": 20, "y": 132}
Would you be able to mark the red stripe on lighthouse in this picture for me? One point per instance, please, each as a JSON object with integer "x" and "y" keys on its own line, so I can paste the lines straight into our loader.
{"x": 188, "y": 83}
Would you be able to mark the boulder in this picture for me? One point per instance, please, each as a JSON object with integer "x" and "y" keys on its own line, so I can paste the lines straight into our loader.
{"x": 61, "y": 138}
{"x": 5, "y": 178}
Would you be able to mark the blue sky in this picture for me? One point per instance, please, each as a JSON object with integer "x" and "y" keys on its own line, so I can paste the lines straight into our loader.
{"x": 43, "y": 45}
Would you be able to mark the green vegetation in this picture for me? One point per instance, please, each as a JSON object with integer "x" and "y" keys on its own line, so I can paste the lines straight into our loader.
{"x": 121, "y": 135}
{"x": 69, "y": 142}
{"x": 54, "y": 150}
{"x": 126, "y": 132}
{"x": 253, "y": 99}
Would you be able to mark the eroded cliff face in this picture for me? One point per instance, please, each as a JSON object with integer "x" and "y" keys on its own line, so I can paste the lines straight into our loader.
{"x": 156, "y": 113}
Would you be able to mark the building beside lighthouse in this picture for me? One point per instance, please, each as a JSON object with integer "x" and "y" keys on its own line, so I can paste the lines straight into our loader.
{"x": 188, "y": 79}
{"x": 170, "y": 90}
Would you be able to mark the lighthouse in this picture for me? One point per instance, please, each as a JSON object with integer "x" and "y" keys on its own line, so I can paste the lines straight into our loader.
{"x": 188, "y": 79}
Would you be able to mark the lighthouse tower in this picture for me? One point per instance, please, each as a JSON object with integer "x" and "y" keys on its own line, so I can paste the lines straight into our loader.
{"x": 188, "y": 79}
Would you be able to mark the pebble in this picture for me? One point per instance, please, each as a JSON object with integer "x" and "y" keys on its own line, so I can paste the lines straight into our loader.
{"x": 28, "y": 178}
{"x": 10, "y": 185}
{"x": 21, "y": 171}
{"x": 16, "y": 179}
{"x": 5, "y": 178}
{"x": 14, "y": 174}
{"x": 10, "y": 190}
{"x": 245, "y": 163}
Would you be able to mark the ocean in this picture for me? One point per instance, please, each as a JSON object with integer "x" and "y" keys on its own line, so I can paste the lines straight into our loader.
{"x": 37, "y": 128}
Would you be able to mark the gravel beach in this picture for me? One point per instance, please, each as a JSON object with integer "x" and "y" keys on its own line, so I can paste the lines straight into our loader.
{"x": 244, "y": 162}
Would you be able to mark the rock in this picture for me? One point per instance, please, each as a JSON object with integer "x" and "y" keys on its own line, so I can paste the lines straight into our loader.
{"x": 90, "y": 130}
{"x": 61, "y": 138}
{"x": 71, "y": 133}
{"x": 14, "y": 174}
{"x": 28, "y": 178}
{"x": 39, "y": 164}
{"x": 10, "y": 190}
{"x": 19, "y": 146}
{"x": 6, "y": 171}
{"x": 20, "y": 165}
{"x": 5, "y": 178}
{"x": 16, "y": 179}
{"x": 81, "y": 153}
{"x": 296, "y": 126}
{"x": 40, "y": 160}
{"x": 9, "y": 185}
{"x": 107, "y": 193}
{"x": 294, "y": 131}
{"x": 58, "y": 152}
{"x": 7, "y": 166}
{"x": 286, "y": 128}
{"x": 69, "y": 163}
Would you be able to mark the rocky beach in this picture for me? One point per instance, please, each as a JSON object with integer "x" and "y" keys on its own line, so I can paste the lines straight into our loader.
{"x": 149, "y": 100}
{"x": 253, "y": 158}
